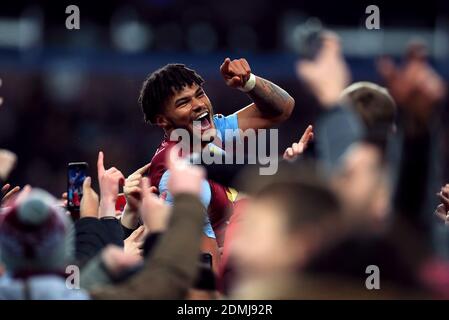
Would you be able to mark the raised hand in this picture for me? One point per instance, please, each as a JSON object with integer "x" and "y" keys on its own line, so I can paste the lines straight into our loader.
{"x": 7, "y": 194}
{"x": 415, "y": 85}
{"x": 298, "y": 148}
{"x": 235, "y": 72}
{"x": 117, "y": 261}
{"x": 132, "y": 187}
{"x": 134, "y": 243}
{"x": 110, "y": 181}
{"x": 328, "y": 74}
{"x": 153, "y": 210}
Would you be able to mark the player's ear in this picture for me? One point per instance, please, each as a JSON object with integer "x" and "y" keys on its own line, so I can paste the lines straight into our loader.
{"x": 163, "y": 122}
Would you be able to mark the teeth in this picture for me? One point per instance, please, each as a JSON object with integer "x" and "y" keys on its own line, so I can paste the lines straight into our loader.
{"x": 202, "y": 115}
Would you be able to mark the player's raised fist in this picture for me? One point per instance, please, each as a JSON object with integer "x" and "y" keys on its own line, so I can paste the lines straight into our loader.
{"x": 236, "y": 72}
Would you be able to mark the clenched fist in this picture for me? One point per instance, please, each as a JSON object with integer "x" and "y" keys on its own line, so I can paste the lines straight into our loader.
{"x": 236, "y": 72}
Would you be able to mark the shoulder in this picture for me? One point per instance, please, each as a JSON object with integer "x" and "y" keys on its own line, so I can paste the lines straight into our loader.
{"x": 158, "y": 166}
{"x": 224, "y": 123}
{"x": 228, "y": 121}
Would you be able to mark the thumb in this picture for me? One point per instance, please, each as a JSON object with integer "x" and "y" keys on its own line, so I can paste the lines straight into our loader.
{"x": 87, "y": 184}
{"x": 236, "y": 81}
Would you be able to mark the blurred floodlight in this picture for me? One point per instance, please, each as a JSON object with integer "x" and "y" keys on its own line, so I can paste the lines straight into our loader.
{"x": 22, "y": 33}
{"x": 64, "y": 82}
{"x": 128, "y": 33}
{"x": 131, "y": 36}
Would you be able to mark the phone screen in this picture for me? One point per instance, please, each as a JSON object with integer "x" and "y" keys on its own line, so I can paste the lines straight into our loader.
{"x": 76, "y": 173}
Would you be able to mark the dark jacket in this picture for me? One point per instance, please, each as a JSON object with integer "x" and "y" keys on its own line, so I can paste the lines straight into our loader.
{"x": 92, "y": 235}
{"x": 171, "y": 268}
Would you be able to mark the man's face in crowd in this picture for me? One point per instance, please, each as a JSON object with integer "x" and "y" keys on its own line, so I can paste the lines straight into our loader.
{"x": 263, "y": 244}
{"x": 186, "y": 106}
{"x": 361, "y": 187}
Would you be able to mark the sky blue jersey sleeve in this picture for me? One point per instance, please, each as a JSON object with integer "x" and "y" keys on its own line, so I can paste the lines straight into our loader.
{"x": 229, "y": 123}
{"x": 205, "y": 198}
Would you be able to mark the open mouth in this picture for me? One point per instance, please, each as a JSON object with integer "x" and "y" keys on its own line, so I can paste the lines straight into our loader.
{"x": 203, "y": 121}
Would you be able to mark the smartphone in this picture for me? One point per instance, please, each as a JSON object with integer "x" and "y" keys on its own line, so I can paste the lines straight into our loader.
{"x": 310, "y": 39}
{"x": 76, "y": 173}
{"x": 311, "y": 45}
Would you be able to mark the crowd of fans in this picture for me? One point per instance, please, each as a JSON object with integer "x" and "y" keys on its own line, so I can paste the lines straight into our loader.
{"x": 363, "y": 186}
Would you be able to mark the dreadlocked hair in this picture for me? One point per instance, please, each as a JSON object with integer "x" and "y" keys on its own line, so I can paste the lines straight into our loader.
{"x": 162, "y": 84}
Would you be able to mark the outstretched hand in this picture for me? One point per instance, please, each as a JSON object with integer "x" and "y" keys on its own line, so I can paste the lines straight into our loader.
{"x": 415, "y": 85}
{"x": 299, "y": 147}
{"x": 7, "y": 194}
{"x": 328, "y": 74}
{"x": 110, "y": 181}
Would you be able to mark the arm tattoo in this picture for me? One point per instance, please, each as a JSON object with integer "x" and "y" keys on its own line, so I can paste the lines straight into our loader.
{"x": 270, "y": 99}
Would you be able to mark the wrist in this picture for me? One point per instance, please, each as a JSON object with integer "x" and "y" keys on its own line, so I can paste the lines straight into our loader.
{"x": 130, "y": 218}
{"x": 107, "y": 207}
{"x": 250, "y": 84}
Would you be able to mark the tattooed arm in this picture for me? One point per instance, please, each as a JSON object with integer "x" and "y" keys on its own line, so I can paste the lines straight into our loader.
{"x": 271, "y": 104}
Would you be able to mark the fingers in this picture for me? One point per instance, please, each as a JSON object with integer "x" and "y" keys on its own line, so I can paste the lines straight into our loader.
{"x": 224, "y": 68}
{"x": 330, "y": 45}
{"x": 11, "y": 193}
{"x": 116, "y": 175}
{"x": 441, "y": 213}
{"x": 288, "y": 154}
{"x": 133, "y": 190}
{"x": 5, "y": 188}
{"x": 444, "y": 199}
{"x": 236, "y": 82}
{"x": 297, "y": 148}
{"x": 100, "y": 165}
{"x": 236, "y": 72}
{"x": 245, "y": 65}
{"x": 145, "y": 186}
{"x": 143, "y": 169}
{"x": 137, "y": 233}
{"x": 135, "y": 181}
{"x": 307, "y": 135}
